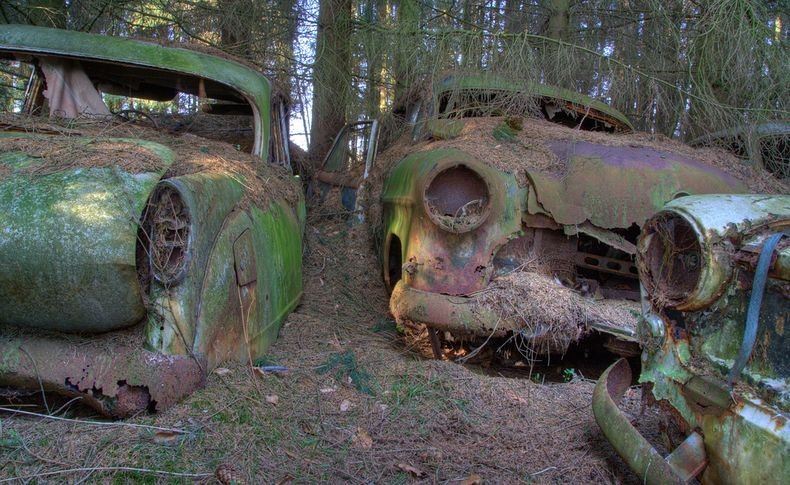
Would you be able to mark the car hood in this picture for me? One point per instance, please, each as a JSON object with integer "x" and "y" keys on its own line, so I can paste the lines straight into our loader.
{"x": 69, "y": 221}
{"x": 617, "y": 186}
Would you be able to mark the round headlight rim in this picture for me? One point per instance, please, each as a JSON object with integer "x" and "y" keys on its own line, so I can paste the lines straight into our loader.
{"x": 675, "y": 296}
{"x": 445, "y": 222}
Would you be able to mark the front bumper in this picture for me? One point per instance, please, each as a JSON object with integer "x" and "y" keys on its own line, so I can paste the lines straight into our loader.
{"x": 455, "y": 314}
{"x": 111, "y": 373}
{"x": 460, "y": 315}
{"x": 745, "y": 440}
{"x": 679, "y": 467}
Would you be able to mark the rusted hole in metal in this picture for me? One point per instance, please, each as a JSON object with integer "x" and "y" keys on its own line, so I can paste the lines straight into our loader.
{"x": 457, "y": 199}
{"x": 166, "y": 227}
{"x": 132, "y": 399}
{"x": 672, "y": 260}
{"x": 591, "y": 261}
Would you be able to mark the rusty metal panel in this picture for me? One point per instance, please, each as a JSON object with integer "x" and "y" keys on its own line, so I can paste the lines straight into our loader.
{"x": 112, "y": 373}
{"x": 612, "y": 186}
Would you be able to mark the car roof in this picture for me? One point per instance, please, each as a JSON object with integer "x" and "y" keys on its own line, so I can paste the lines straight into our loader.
{"x": 773, "y": 128}
{"x": 148, "y": 67}
{"x": 453, "y": 82}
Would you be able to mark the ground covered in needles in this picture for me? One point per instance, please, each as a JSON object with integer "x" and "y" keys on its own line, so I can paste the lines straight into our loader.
{"x": 357, "y": 403}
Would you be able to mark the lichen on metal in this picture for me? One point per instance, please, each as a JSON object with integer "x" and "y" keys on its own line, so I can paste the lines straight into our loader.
{"x": 67, "y": 253}
{"x": 128, "y": 268}
{"x": 466, "y": 207}
{"x": 687, "y": 364}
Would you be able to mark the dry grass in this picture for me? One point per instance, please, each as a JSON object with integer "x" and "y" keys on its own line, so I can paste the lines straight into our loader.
{"x": 528, "y": 150}
{"x": 94, "y": 143}
{"x": 555, "y": 316}
{"x": 356, "y": 405}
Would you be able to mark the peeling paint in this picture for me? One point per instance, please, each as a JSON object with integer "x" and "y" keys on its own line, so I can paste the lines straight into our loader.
{"x": 745, "y": 430}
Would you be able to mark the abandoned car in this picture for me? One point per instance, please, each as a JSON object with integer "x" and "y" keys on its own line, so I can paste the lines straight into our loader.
{"x": 766, "y": 145}
{"x": 135, "y": 256}
{"x": 715, "y": 271}
{"x": 523, "y": 228}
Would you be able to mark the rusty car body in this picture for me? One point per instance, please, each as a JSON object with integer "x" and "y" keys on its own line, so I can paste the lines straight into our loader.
{"x": 135, "y": 258}
{"x": 716, "y": 276}
{"x": 462, "y": 221}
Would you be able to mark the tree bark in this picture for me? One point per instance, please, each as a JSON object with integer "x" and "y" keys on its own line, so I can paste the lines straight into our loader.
{"x": 331, "y": 75}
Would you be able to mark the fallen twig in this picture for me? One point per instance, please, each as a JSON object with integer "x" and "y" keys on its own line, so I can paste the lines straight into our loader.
{"x": 107, "y": 469}
{"x": 92, "y": 423}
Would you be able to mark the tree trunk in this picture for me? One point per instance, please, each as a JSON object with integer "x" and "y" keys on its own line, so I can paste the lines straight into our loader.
{"x": 557, "y": 26}
{"x": 331, "y": 75}
{"x": 406, "y": 46}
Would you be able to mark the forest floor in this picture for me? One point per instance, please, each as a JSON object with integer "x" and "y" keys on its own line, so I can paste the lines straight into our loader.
{"x": 356, "y": 404}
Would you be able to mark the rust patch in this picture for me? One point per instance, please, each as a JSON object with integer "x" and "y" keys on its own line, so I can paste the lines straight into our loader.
{"x": 110, "y": 373}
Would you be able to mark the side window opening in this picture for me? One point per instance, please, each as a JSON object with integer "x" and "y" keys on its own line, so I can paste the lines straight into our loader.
{"x": 18, "y": 80}
{"x": 475, "y": 103}
{"x": 346, "y": 168}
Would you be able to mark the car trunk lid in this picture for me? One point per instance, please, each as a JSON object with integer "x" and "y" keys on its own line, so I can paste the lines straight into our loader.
{"x": 69, "y": 221}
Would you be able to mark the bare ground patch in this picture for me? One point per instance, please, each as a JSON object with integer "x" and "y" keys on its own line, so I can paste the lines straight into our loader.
{"x": 356, "y": 404}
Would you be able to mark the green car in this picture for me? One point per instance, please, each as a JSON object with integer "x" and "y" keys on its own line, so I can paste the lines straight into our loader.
{"x": 716, "y": 276}
{"x": 497, "y": 228}
{"x": 136, "y": 256}
{"x": 766, "y": 145}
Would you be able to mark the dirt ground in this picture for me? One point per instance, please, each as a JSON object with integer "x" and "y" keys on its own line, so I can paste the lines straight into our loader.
{"x": 356, "y": 404}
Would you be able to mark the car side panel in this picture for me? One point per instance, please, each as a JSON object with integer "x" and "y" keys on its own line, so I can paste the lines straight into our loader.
{"x": 252, "y": 281}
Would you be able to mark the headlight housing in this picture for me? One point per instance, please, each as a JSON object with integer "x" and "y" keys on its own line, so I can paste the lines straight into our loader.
{"x": 680, "y": 264}
{"x": 168, "y": 225}
{"x": 457, "y": 198}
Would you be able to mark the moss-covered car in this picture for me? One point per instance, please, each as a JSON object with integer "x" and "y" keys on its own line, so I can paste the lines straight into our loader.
{"x": 523, "y": 228}
{"x": 716, "y": 275}
{"x": 766, "y": 145}
{"x": 135, "y": 256}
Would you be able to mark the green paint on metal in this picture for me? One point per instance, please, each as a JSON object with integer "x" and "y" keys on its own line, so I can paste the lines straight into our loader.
{"x": 745, "y": 427}
{"x": 445, "y": 129}
{"x": 503, "y": 132}
{"x": 279, "y": 270}
{"x": 496, "y": 83}
{"x": 67, "y": 243}
{"x": 119, "y": 51}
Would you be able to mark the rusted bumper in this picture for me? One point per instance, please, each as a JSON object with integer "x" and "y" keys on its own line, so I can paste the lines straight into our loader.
{"x": 112, "y": 373}
{"x": 455, "y": 314}
{"x": 680, "y": 466}
{"x": 459, "y": 315}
